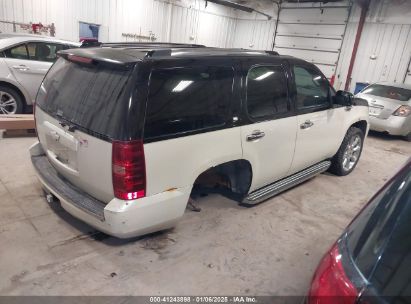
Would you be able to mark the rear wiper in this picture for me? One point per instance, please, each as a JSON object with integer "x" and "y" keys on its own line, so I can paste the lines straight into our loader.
{"x": 71, "y": 128}
{"x": 64, "y": 123}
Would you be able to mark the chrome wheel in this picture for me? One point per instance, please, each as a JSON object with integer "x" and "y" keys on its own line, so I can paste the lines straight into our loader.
{"x": 8, "y": 105}
{"x": 352, "y": 153}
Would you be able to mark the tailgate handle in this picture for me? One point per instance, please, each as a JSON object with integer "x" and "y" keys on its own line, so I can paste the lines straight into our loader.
{"x": 53, "y": 157}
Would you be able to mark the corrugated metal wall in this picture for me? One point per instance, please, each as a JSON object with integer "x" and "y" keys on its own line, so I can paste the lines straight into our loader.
{"x": 255, "y": 33}
{"x": 387, "y": 35}
{"x": 188, "y": 21}
{"x": 387, "y": 32}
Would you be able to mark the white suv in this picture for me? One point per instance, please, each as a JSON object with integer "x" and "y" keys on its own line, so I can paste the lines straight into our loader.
{"x": 127, "y": 133}
{"x": 24, "y": 60}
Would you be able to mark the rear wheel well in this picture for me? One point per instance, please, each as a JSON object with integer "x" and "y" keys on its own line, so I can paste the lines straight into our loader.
{"x": 12, "y": 86}
{"x": 232, "y": 179}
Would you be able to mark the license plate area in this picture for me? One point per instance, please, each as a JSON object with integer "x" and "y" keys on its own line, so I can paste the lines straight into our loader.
{"x": 375, "y": 110}
{"x": 62, "y": 153}
{"x": 62, "y": 147}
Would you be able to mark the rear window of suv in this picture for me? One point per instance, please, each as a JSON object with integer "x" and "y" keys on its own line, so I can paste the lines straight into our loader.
{"x": 379, "y": 90}
{"x": 92, "y": 97}
{"x": 187, "y": 100}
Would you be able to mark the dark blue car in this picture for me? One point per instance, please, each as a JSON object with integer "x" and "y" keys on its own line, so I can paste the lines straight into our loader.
{"x": 371, "y": 261}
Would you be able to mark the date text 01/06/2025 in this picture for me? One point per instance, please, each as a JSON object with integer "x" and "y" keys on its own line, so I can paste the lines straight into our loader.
{"x": 202, "y": 299}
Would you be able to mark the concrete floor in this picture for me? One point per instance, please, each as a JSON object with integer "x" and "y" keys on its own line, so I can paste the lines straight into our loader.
{"x": 270, "y": 249}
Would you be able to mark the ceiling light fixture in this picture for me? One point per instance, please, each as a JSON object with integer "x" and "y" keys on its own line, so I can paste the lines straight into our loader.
{"x": 265, "y": 75}
{"x": 238, "y": 6}
{"x": 182, "y": 85}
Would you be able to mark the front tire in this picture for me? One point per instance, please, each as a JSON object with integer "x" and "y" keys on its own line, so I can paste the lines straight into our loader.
{"x": 346, "y": 159}
{"x": 10, "y": 101}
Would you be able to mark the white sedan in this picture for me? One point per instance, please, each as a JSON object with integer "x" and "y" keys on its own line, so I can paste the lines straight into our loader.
{"x": 24, "y": 60}
{"x": 390, "y": 107}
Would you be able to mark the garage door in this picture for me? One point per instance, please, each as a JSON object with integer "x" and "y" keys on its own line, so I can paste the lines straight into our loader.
{"x": 312, "y": 32}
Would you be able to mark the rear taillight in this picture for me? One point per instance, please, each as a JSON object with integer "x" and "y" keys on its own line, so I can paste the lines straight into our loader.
{"x": 403, "y": 111}
{"x": 80, "y": 59}
{"x": 129, "y": 171}
{"x": 330, "y": 283}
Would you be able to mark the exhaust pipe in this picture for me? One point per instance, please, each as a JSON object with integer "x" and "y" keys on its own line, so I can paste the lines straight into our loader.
{"x": 50, "y": 198}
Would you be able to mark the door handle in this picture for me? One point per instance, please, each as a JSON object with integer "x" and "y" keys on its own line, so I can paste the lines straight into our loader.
{"x": 256, "y": 134}
{"x": 307, "y": 124}
{"x": 22, "y": 68}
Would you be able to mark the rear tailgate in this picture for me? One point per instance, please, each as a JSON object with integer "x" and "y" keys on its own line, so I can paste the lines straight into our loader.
{"x": 80, "y": 109}
{"x": 385, "y": 99}
{"x": 381, "y": 107}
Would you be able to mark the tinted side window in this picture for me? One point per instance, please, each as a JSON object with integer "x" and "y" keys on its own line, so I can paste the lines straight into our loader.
{"x": 267, "y": 93}
{"x": 392, "y": 276}
{"x": 42, "y": 51}
{"x": 187, "y": 99}
{"x": 17, "y": 52}
{"x": 312, "y": 88}
{"x": 369, "y": 233}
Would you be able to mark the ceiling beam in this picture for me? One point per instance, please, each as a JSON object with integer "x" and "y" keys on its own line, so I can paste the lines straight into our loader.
{"x": 238, "y": 7}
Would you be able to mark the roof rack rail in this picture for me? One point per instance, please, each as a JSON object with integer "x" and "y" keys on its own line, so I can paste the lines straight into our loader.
{"x": 158, "y": 53}
{"x": 272, "y": 53}
{"x": 88, "y": 44}
{"x": 151, "y": 45}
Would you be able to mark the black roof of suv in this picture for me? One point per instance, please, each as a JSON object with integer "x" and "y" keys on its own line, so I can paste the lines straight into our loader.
{"x": 112, "y": 82}
{"x": 126, "y": 53}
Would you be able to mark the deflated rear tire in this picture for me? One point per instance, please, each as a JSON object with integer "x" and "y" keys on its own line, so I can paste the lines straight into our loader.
{"x": 346, "y": 159}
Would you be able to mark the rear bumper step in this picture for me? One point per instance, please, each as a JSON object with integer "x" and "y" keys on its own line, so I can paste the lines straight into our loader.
{"x": 67, "y": 191}
{"x": 266, "y": 192}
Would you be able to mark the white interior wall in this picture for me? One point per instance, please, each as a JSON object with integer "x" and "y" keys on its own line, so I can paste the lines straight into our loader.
{"x": 387, "y": 32}
{"x": 387, "y": 35}
{"x": 177, "y": 21}
{"x": 255, "y": 34}
{"x": 254, "y": 31}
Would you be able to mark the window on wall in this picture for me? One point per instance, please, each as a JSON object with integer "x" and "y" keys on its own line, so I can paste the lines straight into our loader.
{"x": 89, "y": 32}
{"x": 266, "y": 92}
{"x": 187, "y": 99}
{"x": 312, "y": 88}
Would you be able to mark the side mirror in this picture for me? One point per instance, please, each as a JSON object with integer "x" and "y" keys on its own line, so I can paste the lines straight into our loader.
{"x": 343, "y": 98}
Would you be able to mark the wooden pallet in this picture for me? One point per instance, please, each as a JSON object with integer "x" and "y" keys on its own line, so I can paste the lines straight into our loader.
{"x": 17, "y": 125}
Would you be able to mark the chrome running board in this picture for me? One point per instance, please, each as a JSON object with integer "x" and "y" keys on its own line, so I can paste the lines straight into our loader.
{"x": 266, "y": 192}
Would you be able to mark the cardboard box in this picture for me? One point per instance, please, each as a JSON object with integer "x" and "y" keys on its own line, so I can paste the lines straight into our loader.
{"x": 17, "y": 122}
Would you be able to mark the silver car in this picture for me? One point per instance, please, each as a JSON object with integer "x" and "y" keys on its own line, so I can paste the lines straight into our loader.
{"x": 24, "y": 60}
{"x": 390, "y": 107}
